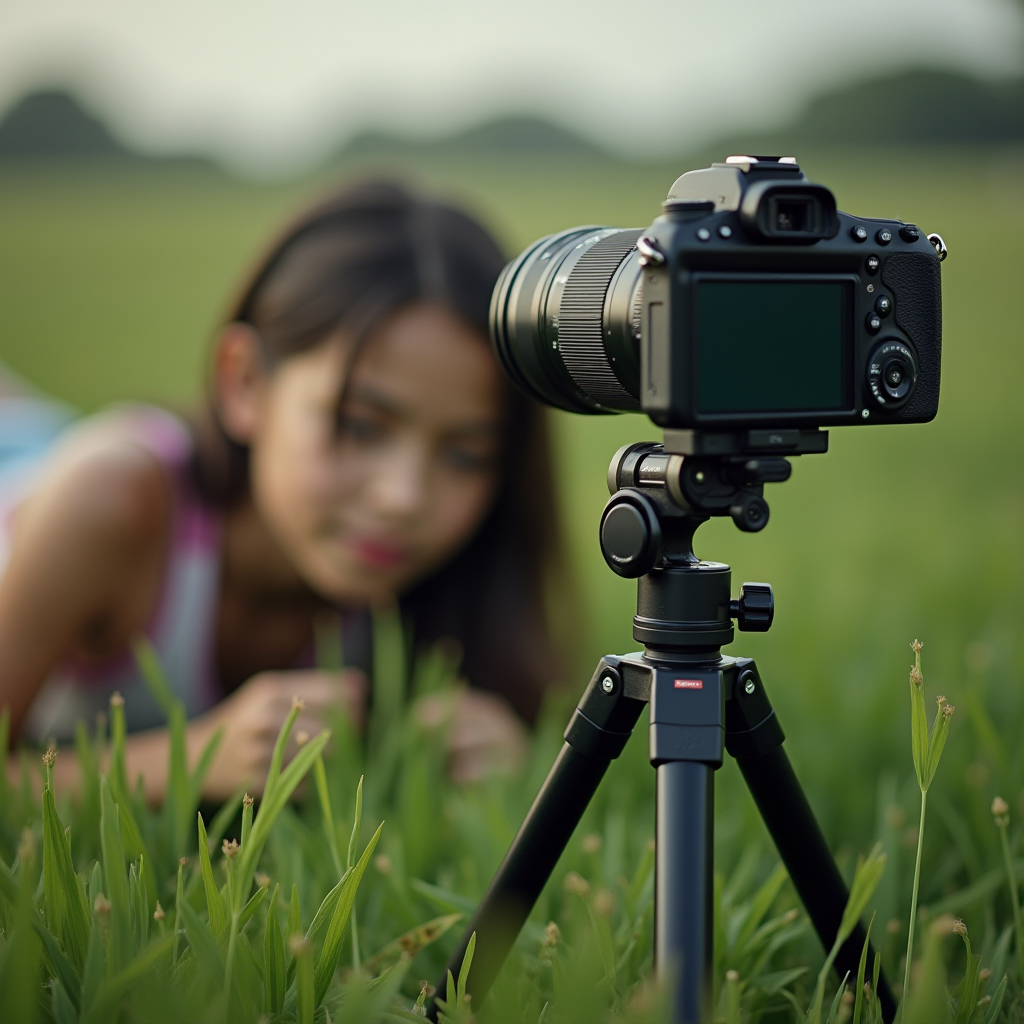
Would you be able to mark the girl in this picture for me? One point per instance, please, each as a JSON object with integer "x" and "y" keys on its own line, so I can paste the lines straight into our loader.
{"x": 360, "y": 445}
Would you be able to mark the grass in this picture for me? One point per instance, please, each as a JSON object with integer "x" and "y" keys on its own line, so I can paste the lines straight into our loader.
{"x": 257, "y": 918}
{"x": 110, "y": 284}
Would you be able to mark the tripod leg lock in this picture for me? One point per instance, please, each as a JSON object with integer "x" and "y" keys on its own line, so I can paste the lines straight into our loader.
{"x": 604, "y": 719}
{"x": 751, "y": 728}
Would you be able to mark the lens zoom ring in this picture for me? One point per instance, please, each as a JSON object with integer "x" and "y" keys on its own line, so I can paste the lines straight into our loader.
{"x": 580, "y": 317}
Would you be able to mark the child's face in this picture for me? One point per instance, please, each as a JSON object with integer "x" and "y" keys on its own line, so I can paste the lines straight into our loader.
{"x": 367, "y": 510}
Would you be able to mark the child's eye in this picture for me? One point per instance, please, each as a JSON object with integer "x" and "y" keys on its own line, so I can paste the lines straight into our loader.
{"x": 360, "y": 428}
{"x": 467, "y": 461}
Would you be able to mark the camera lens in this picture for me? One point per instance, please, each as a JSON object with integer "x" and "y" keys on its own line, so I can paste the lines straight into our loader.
{"x": 565, "y": 320}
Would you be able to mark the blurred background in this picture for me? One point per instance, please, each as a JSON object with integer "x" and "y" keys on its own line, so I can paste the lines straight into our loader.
{"x": 147, "y": 151}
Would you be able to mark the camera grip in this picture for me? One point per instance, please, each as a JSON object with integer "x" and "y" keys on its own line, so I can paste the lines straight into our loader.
{"x": 913, "y": 278}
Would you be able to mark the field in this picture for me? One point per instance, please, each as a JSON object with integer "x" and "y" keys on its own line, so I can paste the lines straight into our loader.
{"x": 111, "y": 282}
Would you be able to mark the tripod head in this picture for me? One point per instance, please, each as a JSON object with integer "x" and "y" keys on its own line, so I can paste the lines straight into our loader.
{"x": 661, "y": 494}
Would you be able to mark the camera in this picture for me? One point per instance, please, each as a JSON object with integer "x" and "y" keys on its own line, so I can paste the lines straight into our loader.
{"x": 748, "y": 315}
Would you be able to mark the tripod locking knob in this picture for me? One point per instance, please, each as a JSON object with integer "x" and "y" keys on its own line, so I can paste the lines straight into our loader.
{"x": 755, "y": 609}
{"x": 630, "y": 534}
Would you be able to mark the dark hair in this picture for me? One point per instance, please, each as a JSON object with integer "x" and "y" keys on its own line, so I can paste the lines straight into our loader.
{"x": 352, "y": 261}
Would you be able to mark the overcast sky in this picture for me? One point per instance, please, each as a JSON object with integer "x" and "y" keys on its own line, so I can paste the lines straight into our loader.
{"x": 273, "y": 86}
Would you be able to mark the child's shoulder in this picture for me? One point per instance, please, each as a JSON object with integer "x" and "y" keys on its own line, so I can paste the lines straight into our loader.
{"x": 105, "y": 478}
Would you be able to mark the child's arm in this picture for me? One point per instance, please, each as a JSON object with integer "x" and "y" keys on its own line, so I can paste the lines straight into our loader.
{"x": 85, "y": 565}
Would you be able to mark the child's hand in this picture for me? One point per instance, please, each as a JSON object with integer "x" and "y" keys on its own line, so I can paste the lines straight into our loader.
{"x": 484, "y": 734}
{"x": 252, "y": 717}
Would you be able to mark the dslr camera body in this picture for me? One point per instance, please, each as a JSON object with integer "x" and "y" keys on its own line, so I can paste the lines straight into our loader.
{"x": 747, "y": 316}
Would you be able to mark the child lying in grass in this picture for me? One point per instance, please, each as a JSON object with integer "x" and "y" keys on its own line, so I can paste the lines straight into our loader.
{"x": 360, "y": 445}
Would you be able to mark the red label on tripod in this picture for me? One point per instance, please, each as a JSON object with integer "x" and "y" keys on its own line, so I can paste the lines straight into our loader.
{"x": 689, "y": 684}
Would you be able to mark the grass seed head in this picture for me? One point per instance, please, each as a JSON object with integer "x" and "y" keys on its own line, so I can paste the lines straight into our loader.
{"x": 984, "y": 1000}
{"x": 301, "y": 738}
{"x": 298, "y": 703}
{"x": 101, "y": 905}
{"x": 591, "y": 843}
{"x": 116, "y": 700}
{"x": 158, "y": 914}
{"x": 893, "y": 926}
{"x": 298, "y": 945}
{"x": 50, "y": 756}
{"x": 984, "y": 974}
{"x": 262, "y": 879}
{"x": 576, "y": 883}
{"x": 382, "y": 862}
{"x": 947, "y": 710}
{"x": 732, "y": 976}
{"x": 229, "y": 848}
{"x": 247, "y": 801}
{"x": 552, "y": 934}
{"x": 1001, "y": 812}
{"x": 959, "y": 928}
{"x": 604, "y": 902}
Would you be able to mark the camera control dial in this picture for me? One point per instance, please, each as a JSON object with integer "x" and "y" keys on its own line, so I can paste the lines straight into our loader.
{"x": 892, "y": 373}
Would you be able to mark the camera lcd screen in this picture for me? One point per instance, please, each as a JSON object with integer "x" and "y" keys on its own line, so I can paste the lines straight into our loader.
{"x": 773, "y": 346}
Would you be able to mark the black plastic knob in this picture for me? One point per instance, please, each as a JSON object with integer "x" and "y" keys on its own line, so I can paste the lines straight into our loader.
{"x": 630, "y": 534}
{"x": 755, "y": 609}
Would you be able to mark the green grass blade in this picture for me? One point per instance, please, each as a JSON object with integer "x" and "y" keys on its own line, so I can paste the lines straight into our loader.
{"x": 281, "y": 744}
{"x": 304, "y": 972}
{"x": 224, "y": 817}
{"x": 117, "y": 986}
{"x": 197, "y": 779}
{"x": 115, "y": 880}
{"x": 95, "y": 969}
{"x": 61, "y": 1006}
{"x": 324, "y": 796}
{"x": 204, "y": 946}
{"x": 858, "y": 1005}
{"x": 214, "y": 901}
{"x": 410, "y": 943}
{"x": 60, "y": 966}
{"x": 117, "y": 776}
{"x": 152, "y": 673}
{"x": 996, "y": 1006}
{"x": 54, "y": 902}
{"x": 274, "y": 966}
{"x": 761, "y": 904}
{"x": 330, "y": 954}
{"x": 252, "y": 906}
{"x": 272, "y": 807}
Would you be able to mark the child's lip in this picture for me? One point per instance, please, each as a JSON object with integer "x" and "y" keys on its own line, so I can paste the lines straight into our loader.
{"x": 378, "y": 553}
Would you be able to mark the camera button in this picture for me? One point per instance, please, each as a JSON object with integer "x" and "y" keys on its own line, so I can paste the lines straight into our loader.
{"x": 883, "y": 236}
{"x": 883, "y": 305}
{"x": 725, "y": 231}
{"x": 872, "y": 263}
{"x": 703, "y": 234}
{"x": 909, "y": 232}
{"x": 859, "y": 233}
{"x": 874, "y": 323}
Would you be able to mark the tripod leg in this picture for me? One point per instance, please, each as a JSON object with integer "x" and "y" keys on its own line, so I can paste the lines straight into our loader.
{"x": 754, "y": 738}
{"x": 597, "y": 733}
{"x": 683, "y": 920}
{"x": 803, "y": 849}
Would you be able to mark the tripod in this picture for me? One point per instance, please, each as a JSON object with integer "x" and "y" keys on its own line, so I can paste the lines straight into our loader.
{"x": 702, "y": 705}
